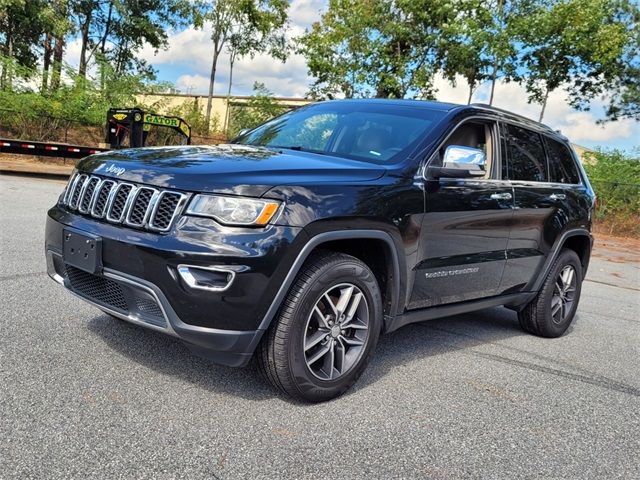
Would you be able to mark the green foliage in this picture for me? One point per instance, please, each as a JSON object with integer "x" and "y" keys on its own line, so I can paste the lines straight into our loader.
{"x": 257, "y": 110}
{"x": 30, "y": 115}
{"x": 245, "y": 27}
{"x": 615, "y": 178}
{"x": 575, "y": 44}
{"x": 377, "y": 47}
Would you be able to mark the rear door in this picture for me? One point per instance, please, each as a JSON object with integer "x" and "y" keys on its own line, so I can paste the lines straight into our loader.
{"x": 465, "y": 228}
{"x": 539, "y": 216}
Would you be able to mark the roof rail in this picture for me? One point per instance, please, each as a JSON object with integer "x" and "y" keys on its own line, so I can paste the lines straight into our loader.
{"x": 515, "y": 116}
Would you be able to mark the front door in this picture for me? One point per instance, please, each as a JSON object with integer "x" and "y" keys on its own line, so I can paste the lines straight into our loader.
{"x": 465, "y": 227}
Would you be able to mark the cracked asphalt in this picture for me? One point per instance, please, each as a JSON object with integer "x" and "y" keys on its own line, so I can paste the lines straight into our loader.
{"x": 85, "y": 396}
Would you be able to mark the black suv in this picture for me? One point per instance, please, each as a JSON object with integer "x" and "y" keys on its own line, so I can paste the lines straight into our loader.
{"x": 306, "y": 238}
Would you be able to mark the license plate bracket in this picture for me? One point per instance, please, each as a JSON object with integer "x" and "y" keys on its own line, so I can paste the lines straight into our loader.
{"x": 82, "y": 250}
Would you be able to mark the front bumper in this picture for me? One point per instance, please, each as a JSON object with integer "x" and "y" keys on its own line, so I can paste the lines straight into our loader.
{"x": 140, "y": 281}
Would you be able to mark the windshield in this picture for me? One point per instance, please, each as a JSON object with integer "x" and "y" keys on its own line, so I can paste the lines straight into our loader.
{"x": 373, "y": 132}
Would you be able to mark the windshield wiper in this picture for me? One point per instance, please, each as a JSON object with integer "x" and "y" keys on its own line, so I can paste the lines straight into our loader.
{"x": 297, "y": 148}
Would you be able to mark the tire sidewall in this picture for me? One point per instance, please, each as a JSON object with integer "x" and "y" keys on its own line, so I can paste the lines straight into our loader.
{"x": 331, "y": 275}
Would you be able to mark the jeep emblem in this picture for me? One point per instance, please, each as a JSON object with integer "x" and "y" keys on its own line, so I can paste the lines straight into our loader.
{"x": 114, "y": 169}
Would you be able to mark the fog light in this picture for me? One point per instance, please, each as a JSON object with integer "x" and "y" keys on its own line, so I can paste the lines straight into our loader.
{"x": 213, "y": 279}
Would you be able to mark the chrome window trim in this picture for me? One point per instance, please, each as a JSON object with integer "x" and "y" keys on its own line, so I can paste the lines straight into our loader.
{"x": 150, "y": 206}
{"x": 544, "y": 135}
{"x": 179, "y": 206}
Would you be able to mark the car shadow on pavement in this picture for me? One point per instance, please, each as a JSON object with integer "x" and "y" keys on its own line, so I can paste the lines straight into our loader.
{"x": 169, "y": 356}
{"x": 436, "y": 337}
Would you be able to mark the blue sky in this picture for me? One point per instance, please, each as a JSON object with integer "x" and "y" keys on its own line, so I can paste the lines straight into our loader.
{"x": 187, "y": 64}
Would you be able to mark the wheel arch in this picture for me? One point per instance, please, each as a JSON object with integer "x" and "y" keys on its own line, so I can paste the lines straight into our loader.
{"x": 360, "y": 244}
{"x": 578, "y": 240}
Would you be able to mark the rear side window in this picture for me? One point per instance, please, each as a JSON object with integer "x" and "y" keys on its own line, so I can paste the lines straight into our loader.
{"x": 562, "y": 167}
{"x": 525, "y": 154}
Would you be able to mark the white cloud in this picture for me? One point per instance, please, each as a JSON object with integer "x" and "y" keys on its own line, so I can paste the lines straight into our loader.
{"x": 579, "y": 127}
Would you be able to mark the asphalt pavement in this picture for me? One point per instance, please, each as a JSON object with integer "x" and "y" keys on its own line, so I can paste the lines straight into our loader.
{"x": 83, "y": 395}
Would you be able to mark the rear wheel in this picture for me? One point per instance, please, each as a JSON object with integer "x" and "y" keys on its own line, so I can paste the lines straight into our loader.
{"x": 551, "y": 312}
{"x": 326, "y": 330}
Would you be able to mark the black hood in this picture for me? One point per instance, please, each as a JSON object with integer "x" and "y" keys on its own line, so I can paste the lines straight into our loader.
{"x": 235, "y": 169}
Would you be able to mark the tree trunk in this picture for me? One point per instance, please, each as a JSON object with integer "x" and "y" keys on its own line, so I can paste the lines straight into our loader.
{"x": 7, "y": 80}
{"x": 471, "y": 88}
{"x": 46, "y": 63}
{"x": 232, "y": 60}
{"x": 212, "y": 79}
{"x": 544, "y": 104}
{"x": 84, "y": 31}
{"x": 58, "y": 51}
{"x": 494, "y": 76}
{"x": 8, "y": 47}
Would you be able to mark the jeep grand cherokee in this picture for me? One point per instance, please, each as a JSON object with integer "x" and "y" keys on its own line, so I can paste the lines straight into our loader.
{"x": 306, "y": 238}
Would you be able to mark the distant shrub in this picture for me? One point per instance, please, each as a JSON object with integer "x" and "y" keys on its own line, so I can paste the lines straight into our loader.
{"x": 615, "y": 178}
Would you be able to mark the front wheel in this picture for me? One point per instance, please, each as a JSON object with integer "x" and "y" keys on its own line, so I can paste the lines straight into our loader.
{"x": 551, "y": 312}
{"x": 326, "y": 331}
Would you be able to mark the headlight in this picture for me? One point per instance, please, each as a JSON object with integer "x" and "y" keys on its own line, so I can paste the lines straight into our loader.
{"x": 234, "y": 210}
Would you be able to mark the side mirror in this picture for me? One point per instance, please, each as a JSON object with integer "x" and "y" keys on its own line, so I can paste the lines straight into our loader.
{"x": 460, "y": 162}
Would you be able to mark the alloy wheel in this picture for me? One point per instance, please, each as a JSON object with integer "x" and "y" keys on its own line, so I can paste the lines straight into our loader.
{"x": 336, "y": 332}
{"x": 563, "y": 294}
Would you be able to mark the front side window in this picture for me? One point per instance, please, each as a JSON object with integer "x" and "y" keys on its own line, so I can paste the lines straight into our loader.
{"x": 372, "y": 132}
{"x": 471, "y": 134}
{"x": 562, "y": 167}
{"x": 525, "y": 155}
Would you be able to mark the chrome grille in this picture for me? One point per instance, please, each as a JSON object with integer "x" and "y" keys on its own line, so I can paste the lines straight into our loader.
{"x": 86, "y": 196}
{"x": 100, "y": 203}
{"x": 140, "y": 206}
{"x": 122, "y": 202}
{"x": 163, "y": 213}
{"x": 115, "y": 212}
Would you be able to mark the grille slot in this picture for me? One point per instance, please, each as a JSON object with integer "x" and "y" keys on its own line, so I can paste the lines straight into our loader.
{"x": 140, "y": 207}
{"x": 115, "y": 211}
{"x": 102, "y": 197}
{"x": 76, "y": 189}
{"x": 87, "y": 195}
{"x": 123, "y": 202}
{"x": 100, "y": 289}
{"x": 165, "y": 210}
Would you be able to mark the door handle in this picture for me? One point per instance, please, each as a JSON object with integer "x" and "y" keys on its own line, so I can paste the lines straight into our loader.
{"x": 557, "y": 196}
{"x": 501, "y": 196}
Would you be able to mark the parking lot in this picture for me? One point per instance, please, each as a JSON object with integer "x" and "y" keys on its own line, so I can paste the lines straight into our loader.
{"x": 472, "y": 396}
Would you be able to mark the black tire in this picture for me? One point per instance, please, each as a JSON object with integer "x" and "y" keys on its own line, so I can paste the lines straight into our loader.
{"x": 538, "y": 317}
{"x": 283, "y": 353}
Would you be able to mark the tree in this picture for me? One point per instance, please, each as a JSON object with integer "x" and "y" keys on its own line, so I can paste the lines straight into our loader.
{"x": 575, "y": 44}
{"x": 466, "y": 52}
{"x": 115, "y": 30}
{"x": 261, "y": 22}
{"x": 21, "y": 26}
{"x": 624, "y": 99}
{"x": 376, "y": 48}
{"x": 257, "y": 110}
